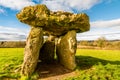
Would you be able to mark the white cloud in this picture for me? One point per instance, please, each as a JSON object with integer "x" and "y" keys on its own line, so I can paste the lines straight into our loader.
{"x": 109, "y": 23}
{"x": 16, "y": 4}
{"x": 12, "y": 37}
{"x": 80, "y": 4}
{"x": 110, "y": 29}
{"x": 13, "y": 30}
{"x": 2, "y": 10}
{"x": 94, "y": 35}
{"x": 56, "y": 5}
{"x": 12, "y": 34}
{"x": 69, "y": 5}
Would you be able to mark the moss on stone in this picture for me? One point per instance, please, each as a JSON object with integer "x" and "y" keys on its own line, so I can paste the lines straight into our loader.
{"x": 66, "y": 49}
{"x": 54, "y": 23}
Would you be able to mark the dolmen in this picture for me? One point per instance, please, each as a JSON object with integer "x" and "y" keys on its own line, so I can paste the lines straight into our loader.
{"x": 60, "y": 28}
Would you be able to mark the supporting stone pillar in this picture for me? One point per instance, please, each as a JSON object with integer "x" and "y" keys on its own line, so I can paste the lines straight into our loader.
{"x": 66, "y": 49}
{"x": 31, "y": 53}
{"x": 47, "y": 51}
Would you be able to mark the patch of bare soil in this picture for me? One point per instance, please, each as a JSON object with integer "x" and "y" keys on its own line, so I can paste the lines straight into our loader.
{"x": 54, "y": 71}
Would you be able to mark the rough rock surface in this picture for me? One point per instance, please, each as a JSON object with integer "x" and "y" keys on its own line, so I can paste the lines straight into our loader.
{"x": 62, "y": 25}
{"x": 47, "y": 52}
{"x": 66, "y": 49}
{"x": 31, "y": 54}
{"x": 54, "y": 23}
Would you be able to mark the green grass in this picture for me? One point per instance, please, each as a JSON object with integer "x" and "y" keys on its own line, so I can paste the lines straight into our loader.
{"x": 97, "y": 65}
{"x": 91, "y": 64}
{"x": 10, "y": 62}
{"x": 112, "y": 55}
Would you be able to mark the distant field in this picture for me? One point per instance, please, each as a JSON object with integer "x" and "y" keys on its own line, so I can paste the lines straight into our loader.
{"x": 92, "y": 64}
{"x": 111, "y": 55}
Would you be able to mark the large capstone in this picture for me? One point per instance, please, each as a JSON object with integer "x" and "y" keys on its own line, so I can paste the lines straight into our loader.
{"x": 54, "y": 23}
{"x": 66, "y": 49}
{"x": 31, "y": 55}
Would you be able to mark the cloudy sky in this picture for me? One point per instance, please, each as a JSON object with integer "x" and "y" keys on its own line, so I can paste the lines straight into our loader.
{"x": 104, "y": 17}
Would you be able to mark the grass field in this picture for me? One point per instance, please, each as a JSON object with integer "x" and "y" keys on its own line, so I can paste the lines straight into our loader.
{"x": 91, "y": 64}
{"x": 97, "y": 65}
{"x": 10, "y": 62}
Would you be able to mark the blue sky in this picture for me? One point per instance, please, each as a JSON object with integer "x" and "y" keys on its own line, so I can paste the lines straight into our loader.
{"x": 104, "y": 17}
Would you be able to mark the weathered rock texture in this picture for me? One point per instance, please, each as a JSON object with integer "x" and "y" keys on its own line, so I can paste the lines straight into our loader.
{"x": 66, "y": 49}
{"x": 33, "y": 44}
{"x": 62, "y": 25}
{"x": 47, "y": 51}
{"x": 54, "y": 23}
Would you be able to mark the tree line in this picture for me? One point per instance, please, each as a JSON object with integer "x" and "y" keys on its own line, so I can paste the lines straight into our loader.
{"x": 101, "y": 43}
{"x": 12, "y": 44}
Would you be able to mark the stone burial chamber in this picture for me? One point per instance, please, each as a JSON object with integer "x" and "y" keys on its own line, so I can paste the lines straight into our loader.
{"x": 60, "y": 27}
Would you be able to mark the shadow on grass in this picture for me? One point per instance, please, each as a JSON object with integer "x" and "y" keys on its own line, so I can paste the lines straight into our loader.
{"x": 85, "y": 62}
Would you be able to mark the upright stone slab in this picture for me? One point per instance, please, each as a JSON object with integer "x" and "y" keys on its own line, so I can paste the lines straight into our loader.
{"x": 31, "y": 53}
{"x": 47, "y": 51}
{"x": 66, "y": 49}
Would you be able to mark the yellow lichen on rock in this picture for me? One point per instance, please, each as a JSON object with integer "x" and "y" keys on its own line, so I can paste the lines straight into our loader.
{"x": 54, "y": 23}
